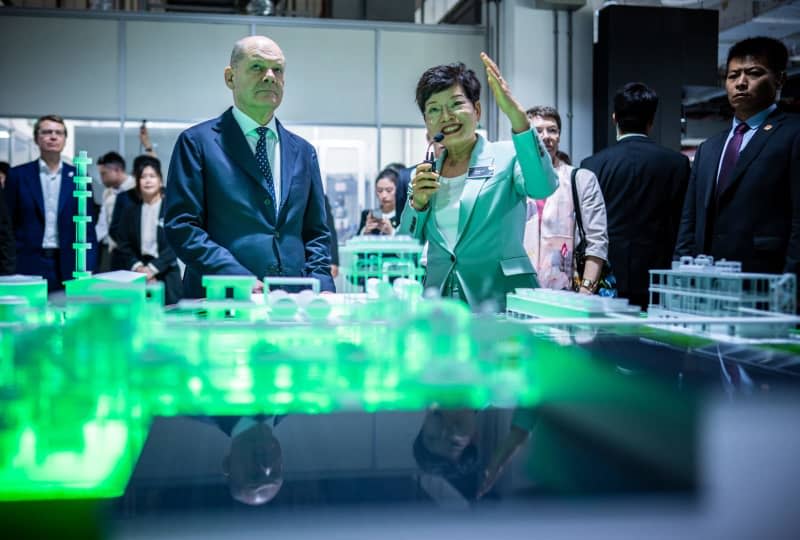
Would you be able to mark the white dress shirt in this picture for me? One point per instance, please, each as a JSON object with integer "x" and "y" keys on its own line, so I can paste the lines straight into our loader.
{"x": 107, "y": 211}
{"x": 149, "y": 227}
{"x": 51, "y": 189}
{"x": 447, "y": 205}
{"x": 754, "y": 122}
{"x": 248, "y": 127}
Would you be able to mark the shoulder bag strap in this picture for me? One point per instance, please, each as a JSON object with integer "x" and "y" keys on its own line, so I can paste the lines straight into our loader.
{"x": 577, "y": 206}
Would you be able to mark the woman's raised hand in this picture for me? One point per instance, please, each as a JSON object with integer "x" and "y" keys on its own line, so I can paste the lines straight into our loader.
{"x": 502, "y": 95}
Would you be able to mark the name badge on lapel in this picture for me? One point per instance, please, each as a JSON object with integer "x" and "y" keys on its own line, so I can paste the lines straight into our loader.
{"x": 480, "y": 171}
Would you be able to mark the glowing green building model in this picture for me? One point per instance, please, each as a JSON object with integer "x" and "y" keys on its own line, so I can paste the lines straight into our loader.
{"x": 83, "y": 219}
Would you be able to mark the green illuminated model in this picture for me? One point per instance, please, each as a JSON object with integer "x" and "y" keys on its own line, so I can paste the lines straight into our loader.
{"x": 80, "y": 384}
{"x": 83, "y": 219}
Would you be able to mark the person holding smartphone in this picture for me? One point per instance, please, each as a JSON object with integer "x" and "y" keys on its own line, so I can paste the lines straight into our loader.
{"x": 384, "y": 219}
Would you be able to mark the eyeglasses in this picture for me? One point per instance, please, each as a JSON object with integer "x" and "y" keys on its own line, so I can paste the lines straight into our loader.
{"x": 46, "y": 132}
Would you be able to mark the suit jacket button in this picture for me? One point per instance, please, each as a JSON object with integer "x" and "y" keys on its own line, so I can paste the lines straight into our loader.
{"x": 452, "y": 258}
{"x": 268, "y": 202}
{"x": 277, "y": 235}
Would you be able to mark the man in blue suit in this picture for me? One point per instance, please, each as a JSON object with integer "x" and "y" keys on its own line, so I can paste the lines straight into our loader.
{"x": 41, "y": 206}
{"x": 743, "y": 201}
{"x": 244, "y": 195}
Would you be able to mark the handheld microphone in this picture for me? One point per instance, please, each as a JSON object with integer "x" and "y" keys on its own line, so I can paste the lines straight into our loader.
{"x": 430, "y": 155}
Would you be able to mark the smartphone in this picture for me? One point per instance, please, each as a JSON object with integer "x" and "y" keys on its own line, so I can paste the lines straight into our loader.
{"x": 376, "y": 213}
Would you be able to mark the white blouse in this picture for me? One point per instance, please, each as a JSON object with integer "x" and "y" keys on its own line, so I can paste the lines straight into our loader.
{"x": 447, "y": 205}
{"x": 149, "y": 230}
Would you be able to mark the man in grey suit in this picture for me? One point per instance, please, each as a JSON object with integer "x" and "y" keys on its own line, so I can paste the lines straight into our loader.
{"x": 244, "y": 195}
{"x": 643, "y": 185}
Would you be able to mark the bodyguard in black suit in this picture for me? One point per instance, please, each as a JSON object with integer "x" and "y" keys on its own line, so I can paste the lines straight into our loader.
{"x": 643, "y": 185}
{"x": 743, "y": 201}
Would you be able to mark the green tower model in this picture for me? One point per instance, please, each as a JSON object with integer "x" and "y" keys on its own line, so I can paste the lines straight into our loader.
{"x": 82, "y": 193}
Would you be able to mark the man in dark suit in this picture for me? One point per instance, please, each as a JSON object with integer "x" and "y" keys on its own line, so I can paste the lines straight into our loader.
{"x": 643, "y": 185}
{"x": 41, "y": 206}
{"x": 115, "y": 197}
{"x": 244, "y": 195}
{"x": 8, "y": 254}
{"x": 743, "y": 202}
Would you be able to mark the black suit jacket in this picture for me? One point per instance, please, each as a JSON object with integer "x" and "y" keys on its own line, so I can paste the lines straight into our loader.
{"x": 129, "y": 251}
{"x": 8, "y": 253}
{"x": 756, "y": 220}
{"x": 124, "y": 200}
{"x": 643, "y": 185}
{"x": 25, "y": 201}
{"x": 334, "y": 236}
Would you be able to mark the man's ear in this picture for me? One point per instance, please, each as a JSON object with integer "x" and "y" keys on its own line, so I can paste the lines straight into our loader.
{"x": 614, "y": 117}
{"x": 229, "y": 77}
{"x": 781, "y": 80}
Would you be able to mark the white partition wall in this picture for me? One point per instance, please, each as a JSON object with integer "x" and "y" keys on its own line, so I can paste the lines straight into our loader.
{"x": 330, "y": 74}
{"x": 69, "y": 66}
{"x": 405, "y": 55}
{"x": 123, "y": 66}
{"x": 174, "y": 70}
{"x": 118, "y": 66}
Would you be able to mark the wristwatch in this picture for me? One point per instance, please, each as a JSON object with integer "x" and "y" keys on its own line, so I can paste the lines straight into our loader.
{"x": 588, "y": 284}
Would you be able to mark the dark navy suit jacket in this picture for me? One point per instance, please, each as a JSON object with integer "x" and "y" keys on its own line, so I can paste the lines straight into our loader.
{"x": 756, "y": 220}
{"x": 643, "y": 185}
{"x": 25, "y": 202}
{"x": 220, "y": 220}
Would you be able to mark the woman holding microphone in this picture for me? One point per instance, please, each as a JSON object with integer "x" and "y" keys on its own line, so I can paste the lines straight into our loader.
{"x": 470, "y": 205}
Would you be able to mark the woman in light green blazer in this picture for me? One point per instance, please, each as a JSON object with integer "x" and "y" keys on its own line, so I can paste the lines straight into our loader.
{"x": 472, "y": 210}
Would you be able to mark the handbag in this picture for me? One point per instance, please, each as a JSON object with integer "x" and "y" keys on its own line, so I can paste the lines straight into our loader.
{"x": 606, "y": 283}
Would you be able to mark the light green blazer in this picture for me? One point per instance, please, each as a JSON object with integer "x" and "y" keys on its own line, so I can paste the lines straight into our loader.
{"x": 488, "y": 258}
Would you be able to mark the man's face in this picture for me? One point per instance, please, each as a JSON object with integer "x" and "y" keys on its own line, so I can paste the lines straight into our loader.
{"x": 257, "y": 78}
{"x": 112, "y": 175}
{"x": 51, "y": 136}
{"x": 254, "y": 466}
{"x": 452, "y": 113}
{"x": 548, "y": 131}
{"x": 751, "y": 85}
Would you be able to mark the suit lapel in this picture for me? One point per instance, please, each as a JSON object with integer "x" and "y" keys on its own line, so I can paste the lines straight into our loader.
{"x": 137, "y": 226}
{"x": 67, "y": 187}
{"x": 753, "y": 148}
{"x": 233, "y": 142}
{"x": 288, "y": 161}
{"x": 472, "y": 189}
{"x": 34, "y": 184}
{"x": 715, "y": 147}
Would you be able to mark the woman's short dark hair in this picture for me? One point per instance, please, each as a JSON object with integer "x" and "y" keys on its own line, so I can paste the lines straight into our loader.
{"x": 390, "y": 173}
{"x": 142, "y": 162}
{"x": 439, "y": 78}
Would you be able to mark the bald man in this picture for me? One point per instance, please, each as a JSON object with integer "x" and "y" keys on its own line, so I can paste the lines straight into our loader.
{"x": 244, "y": 195}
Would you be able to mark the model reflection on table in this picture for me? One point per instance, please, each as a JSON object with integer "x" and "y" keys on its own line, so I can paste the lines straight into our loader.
{"x": 445, "y": 444}
{"x": 254, "y": 463}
